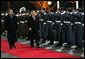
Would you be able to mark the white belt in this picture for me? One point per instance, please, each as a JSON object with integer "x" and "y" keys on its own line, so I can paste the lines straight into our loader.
{"x": 53, "y": 23}
{"x": 21, "y": 21}
{"x": 67, "y": 22}
{"x": 77, "y": 22}
{"x": 17, "y": 23}
{"x": 41, "y": 19}
{"x": 61, "y": 23}
{"x": 71, "y": 23}
{"x": 44, "y": 22}
{"x": 25, "y": 21}
{"x": 82, "y": 24}
{"x": 49, "y": 21}
{"x": 17, "y": 15}
{"x": 58, "y": 21}
{"x": 2, "y": 20}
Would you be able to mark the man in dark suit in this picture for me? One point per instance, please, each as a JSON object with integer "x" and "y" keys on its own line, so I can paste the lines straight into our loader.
{"x": 33, "y": 27}
{"x": 11, "y": 27}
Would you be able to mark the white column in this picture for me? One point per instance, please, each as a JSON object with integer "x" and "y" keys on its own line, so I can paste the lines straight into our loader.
{"x": 77, "y": 5}
{"x": 57, "y": 4}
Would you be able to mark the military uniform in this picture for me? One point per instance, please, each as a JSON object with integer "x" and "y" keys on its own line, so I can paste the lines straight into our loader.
{"x": 67, "y": 27}
{"x": 45, "y": 28}
{"x": 21, "y": 27}
{"x": 78, "y": 29}
{"x": 50, "y": 24}
{"x": 58, "y": 27}
{"x": 42, "y": 26}
{"x": 41, "y": 22}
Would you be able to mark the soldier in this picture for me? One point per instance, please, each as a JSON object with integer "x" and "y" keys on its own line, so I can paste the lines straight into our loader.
{"x": 26, "y": 17}
{"x": 67, "y": 24}
{"x": 42, "y": 13}
{"x": 58, "y": 26}
{"x": 46, "y": 18}
{"x": 49, "y": 27}
{"x": 78, "y": 28}
{"x": 22, "y": 25}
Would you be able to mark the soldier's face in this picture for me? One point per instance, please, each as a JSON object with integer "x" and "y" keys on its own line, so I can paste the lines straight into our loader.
{"x": 10, "y": 12}
{"x": 73, "y": 10}
{"x": 67, "y": 11}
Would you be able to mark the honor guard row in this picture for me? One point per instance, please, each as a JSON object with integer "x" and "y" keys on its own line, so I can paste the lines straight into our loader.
{"x": 65, "y": 27}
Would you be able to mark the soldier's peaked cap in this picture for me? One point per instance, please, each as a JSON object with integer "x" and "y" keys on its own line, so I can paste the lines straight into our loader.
{"x": 69, "y": 9}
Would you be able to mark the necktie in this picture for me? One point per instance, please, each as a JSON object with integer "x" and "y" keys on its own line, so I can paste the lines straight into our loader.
{"x": 34, "y": 18}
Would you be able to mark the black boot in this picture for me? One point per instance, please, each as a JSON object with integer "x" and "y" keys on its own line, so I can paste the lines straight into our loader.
{"x": 79, "y": 47}
{"x": 10, "y": 47}
{"x": 43, "y": 41}
{"x": 51, "y": 43}
{"x": 14, "y": 45}
{"x": 58, "y": 44}
{"x": 38, "y": 45}
{"x": 31, "y": 46}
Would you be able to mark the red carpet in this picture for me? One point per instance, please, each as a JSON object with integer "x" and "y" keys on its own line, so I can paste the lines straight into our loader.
{"x": 24, "y": 51}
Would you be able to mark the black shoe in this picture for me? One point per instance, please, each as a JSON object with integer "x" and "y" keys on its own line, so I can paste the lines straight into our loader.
{"x": 79, "y": 47}
{"x": 31, "y": 46}
{"x": 58, "y": 44}
{"x": 43, "y": 42}
{"x": 10, "y": 47}
{"x": 14, "y": 46}
{"x": 38, "y": 46}
{"x": 50, "y": 43}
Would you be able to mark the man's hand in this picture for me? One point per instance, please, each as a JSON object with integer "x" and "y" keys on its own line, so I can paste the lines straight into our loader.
{"x": 30, "y": 29}
{"x": 6, "y": 32}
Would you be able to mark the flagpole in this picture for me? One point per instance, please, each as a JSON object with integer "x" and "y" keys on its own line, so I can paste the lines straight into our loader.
{"x": 57, "y": 4}
{"x": 77, "y": 5}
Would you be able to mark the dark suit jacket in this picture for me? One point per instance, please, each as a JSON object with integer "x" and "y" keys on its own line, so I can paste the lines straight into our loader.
{"x": 11, "y": 23}
{"x": 33, "y": 24}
